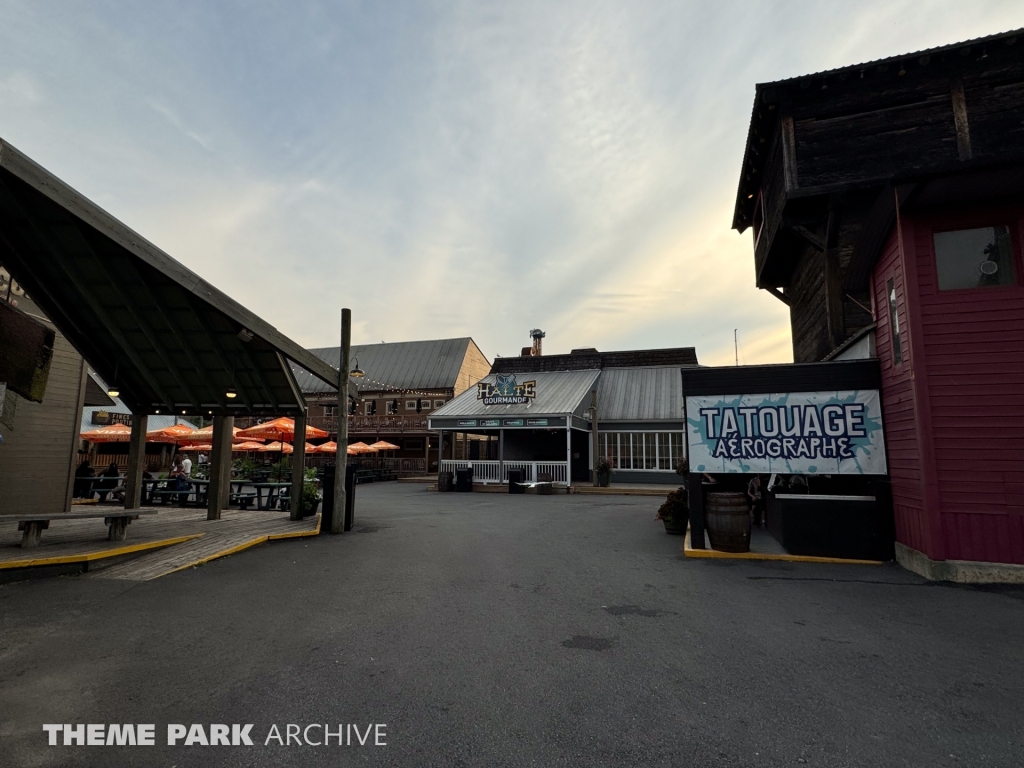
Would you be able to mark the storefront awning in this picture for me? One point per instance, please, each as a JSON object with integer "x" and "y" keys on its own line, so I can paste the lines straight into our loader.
{"x": 519, "y": 396}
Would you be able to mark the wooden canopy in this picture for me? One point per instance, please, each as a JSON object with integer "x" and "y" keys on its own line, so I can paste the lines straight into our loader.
{"x": 169, "y": 341}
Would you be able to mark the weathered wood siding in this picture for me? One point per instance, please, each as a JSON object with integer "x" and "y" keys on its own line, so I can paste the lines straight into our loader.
{"x": 37, "y": 454}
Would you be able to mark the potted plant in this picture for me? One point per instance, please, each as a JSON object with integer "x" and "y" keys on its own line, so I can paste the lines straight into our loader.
{"x": 675, "y": 512}
{"x": 603, "y": 467}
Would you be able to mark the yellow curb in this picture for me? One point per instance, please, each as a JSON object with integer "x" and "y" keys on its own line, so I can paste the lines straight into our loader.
{"x": 714, "y": 554}
{"x": 89, "y": 557}
{"x": 297, "y": 534}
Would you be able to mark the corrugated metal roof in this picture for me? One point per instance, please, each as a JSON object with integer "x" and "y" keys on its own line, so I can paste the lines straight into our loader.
{"x": 558, "y": 392}
{"x": 640, "y": 394}
{"x": 400, "y": 365}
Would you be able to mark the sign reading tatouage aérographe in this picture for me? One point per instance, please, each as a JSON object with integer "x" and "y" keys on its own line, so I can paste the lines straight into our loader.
{"x": 837, "y": 433}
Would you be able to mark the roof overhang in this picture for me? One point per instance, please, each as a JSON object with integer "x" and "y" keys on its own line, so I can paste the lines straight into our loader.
{"x": 166, "y": 338}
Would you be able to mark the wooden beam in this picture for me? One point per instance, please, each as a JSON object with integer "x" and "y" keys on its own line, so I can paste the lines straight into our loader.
{"x": 963, "y": 131}
{"x": 24, "y": 168}
{"x": 136, "y": 459}
{"x": 789, "y": 166}
{"x": 779, "y": 295}
{"x": 75, "y": 279}
{"x": 807, "y": 236}
{"x": 298, "y": 467}
{"x": 220, "y": 398}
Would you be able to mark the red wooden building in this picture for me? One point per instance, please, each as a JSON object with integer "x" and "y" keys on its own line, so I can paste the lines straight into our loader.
{"x": 887, "y": 206}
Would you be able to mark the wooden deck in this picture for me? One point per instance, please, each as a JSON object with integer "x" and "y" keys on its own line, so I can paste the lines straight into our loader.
{"x": 171, "y": 540}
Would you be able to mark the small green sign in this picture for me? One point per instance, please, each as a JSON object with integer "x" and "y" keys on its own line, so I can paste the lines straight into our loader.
{"x": 490, "y": 422}
{"x": 467, "y": 422}
{"x": 513, "y": 422}
{"x": 536, "y": 422}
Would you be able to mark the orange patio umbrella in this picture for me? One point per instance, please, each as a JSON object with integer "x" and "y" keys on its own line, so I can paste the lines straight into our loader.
{"x": 328, "y": 447}
{"x": 361, "y": 448}
{"x": 247, "y": 446}
{"x": 176, "y": 433}
{"x": 197, "y": 447}
{"x": 206, "y": 433}
{"x": 278, "y": 429}
{"x": 384, "y": 445}
{"x": 115, "y": 433}
{"x": 276, "y": 447}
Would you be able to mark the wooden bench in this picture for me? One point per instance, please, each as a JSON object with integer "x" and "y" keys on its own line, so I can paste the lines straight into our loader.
{"x": 117, "y": 524}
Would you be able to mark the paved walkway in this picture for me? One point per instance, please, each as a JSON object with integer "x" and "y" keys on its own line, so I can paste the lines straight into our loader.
{"x": 172, "y": 539}
{"x": 491, "y": 630}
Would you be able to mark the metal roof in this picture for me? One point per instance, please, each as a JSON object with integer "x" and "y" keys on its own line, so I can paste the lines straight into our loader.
{"x": 640, "y": 394}
{"x": 169, "y": 340}
{"x": 396, "y": 366}
{"x": 558, "y": 393}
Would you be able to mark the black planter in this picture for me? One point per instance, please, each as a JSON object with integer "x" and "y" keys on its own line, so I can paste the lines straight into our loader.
{"x": 676, "y": 526}
{"x": 604, "y": 479}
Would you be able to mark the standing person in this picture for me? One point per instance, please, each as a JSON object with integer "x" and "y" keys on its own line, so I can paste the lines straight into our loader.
{"x": 756, "y": 495}
{"x": 186, "y": 466}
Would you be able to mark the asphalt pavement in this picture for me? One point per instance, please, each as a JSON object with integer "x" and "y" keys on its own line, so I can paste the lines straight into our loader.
{"x": 495, "y": 630}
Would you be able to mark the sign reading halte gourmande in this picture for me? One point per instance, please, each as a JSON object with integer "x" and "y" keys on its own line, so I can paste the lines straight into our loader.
{"x": 506, "y": 391}
{"x": 838, "y": 433}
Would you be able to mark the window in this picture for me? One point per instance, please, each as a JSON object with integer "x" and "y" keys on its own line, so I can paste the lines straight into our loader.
{"x": 655, "y": 451}
{"x": 413, "y": 445}
{"x": 368, "y": 408}
{"x": 410, "y": 405}
{"x": 438, "y": 403}
{"x": 329, "y": 410}
{"x": 974, "y": 258}
{"x": 894, "y": 324}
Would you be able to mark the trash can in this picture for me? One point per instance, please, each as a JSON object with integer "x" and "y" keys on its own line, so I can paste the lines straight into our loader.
{"x": 515, "y": 478}
{"x": 445, "y": 481}
{"x": 464, "y": 479}
{"x": 327, "y": 504}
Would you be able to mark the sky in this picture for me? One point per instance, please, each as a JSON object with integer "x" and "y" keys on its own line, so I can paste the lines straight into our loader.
{"x": 445, "y": 169}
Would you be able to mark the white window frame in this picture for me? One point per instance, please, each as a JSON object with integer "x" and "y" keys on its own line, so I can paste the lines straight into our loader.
{"x": 438, "y": 404}
{"x": 366, "y": 408}
{"x": 410, "y": 405}
{"x": 634, "y": 443}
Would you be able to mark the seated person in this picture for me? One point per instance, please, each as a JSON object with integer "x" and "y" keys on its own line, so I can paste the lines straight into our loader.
{"x": 83, "y": 486}
{"x": 103, "y": 487}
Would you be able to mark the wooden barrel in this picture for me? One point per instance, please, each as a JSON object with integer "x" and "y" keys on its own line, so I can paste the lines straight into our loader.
{"x": 727, "y": 520}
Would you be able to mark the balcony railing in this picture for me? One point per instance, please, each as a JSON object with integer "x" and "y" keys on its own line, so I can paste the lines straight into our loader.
{"x": 392, "y": 424}
{"x": 497, "y": 472}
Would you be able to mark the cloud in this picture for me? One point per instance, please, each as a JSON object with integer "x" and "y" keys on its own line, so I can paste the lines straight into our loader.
{"x": 445, "y": 169}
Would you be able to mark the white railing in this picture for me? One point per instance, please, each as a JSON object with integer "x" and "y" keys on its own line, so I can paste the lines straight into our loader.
{"x": 497, "y": 472}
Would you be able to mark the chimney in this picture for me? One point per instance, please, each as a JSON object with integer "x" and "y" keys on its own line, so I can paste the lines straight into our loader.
{"x": 537, "y": 334}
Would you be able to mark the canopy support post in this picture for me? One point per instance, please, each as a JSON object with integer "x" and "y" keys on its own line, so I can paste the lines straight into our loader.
{"x": 218, "y": 492}
{"x": 501, "y": 455}
{"x": 298, "y": 466}
{"x": 136, "y": 459}
{"x": 341, "y": 462}
{"x": 568, "y": 449}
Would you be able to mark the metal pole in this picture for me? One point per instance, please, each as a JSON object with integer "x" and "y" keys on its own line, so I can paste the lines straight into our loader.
{"x": 501, "y": 455}
{"x": 568, "y": 449}
{"x": 341, "y": 463}
{"x": 594, "y": 442}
